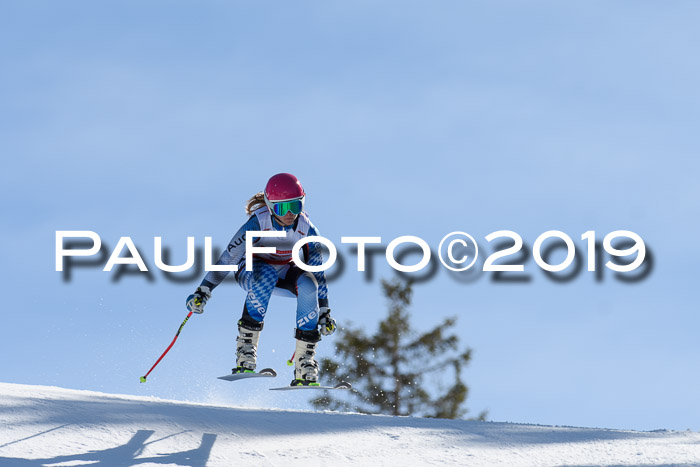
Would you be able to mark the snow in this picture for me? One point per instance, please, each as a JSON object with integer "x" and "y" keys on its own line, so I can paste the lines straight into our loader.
{"x": 42, "y": 425}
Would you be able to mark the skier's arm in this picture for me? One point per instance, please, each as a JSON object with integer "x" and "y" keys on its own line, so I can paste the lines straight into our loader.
{"x": 235, "y": 251}
{"x": 232, "y": 255}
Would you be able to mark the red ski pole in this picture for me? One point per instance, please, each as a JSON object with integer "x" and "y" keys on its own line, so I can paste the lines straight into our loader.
{"x": 143, "y": 378}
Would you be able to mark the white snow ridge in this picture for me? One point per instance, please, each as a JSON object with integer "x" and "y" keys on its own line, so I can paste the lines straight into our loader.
{"x": 46, "y": 426}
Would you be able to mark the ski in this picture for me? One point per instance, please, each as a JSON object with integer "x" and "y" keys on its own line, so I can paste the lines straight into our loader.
{"x": 265, "y": 372}
{"x": 337, "y": 386}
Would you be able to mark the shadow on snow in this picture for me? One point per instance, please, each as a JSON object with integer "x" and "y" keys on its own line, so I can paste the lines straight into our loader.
{"x": 125, "y": 455}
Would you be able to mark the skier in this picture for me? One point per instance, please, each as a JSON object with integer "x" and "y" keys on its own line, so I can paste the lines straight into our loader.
{"x": 279, "y": 207}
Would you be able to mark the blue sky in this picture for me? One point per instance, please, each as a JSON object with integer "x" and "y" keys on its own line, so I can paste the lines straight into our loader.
{"x": 399, "y": 118}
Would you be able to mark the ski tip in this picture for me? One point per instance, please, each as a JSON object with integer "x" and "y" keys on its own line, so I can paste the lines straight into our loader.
{"x": 343, "y": 385}
{"x": 143, "y": 379}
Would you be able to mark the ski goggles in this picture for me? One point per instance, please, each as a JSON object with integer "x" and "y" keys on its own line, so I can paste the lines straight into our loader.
{"x": 281, "y": 208}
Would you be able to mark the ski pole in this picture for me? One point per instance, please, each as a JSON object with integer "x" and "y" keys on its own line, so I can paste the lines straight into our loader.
{"x": 290, "y": 362}
{"x": 143, "y": 378}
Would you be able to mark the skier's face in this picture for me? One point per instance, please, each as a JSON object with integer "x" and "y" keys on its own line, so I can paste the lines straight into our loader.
{"x": 287, "y": 219}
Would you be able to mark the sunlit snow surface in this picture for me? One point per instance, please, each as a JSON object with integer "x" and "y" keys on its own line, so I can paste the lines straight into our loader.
{"x": 59, "y": 427}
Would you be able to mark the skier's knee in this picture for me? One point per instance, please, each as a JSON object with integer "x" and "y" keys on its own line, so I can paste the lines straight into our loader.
{"x": 307, "y": 285}
{"x": 263, "y": 271}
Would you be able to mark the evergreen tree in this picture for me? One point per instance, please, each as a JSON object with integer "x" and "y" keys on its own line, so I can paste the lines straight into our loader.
{"x": 397, "y": 371}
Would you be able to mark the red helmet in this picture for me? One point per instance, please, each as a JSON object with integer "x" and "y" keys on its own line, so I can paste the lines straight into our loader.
{"x": 283, "y": 187}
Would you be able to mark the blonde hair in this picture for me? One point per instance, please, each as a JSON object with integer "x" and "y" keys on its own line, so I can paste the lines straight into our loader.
{"x": 255, "y": 202}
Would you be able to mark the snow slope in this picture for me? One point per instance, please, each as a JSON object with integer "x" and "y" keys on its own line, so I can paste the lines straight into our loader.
{"x": 59, "y": 427}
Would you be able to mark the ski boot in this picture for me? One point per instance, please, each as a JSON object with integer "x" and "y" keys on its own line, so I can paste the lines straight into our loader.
{"x": 247, "y": 346}
{"x": 305, "y": 365}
